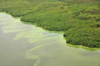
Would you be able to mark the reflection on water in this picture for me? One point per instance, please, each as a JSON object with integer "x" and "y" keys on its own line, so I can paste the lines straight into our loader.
{"x": 27, "y": 45}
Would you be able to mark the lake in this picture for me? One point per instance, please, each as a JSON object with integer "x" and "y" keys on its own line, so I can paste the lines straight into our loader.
{"x": 27, "y": 45}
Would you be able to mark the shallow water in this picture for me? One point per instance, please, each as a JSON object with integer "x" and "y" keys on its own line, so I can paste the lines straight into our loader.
{"x": 27, "y": 45}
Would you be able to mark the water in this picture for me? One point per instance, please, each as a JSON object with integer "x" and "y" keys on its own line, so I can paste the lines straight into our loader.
{"x": 27, "y": 45}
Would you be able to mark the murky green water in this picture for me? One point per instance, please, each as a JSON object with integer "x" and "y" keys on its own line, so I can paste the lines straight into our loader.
{"x": 27, "y": 45}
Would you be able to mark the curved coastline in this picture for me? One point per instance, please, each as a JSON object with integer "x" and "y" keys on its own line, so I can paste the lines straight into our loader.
{"x": 81, "y": 28}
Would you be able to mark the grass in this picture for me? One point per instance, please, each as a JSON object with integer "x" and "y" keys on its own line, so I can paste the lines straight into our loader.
{"x": 79, "y": 19}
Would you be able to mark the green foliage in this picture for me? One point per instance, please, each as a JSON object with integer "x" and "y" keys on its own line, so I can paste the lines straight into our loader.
{"x": 85, "y": 36}
{"x": 79, "y": 19}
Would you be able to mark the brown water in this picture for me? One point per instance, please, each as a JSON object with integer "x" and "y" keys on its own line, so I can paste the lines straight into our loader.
{"x": 27, "y": 45}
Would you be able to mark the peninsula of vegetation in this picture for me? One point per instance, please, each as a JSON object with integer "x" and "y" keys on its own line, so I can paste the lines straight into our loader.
{"x": 78, "y": 19}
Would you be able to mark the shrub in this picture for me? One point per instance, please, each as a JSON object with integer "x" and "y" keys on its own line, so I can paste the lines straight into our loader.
{"x": 85, "y": 36}
{"x": 61, "y": 7}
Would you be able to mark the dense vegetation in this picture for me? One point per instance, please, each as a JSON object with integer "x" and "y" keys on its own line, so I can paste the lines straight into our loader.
{"x": 79, "y": 19}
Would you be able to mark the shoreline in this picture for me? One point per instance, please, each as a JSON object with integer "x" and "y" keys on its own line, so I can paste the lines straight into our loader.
{"x": 77, "y": 28}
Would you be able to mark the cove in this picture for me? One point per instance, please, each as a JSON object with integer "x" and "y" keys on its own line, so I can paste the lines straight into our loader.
{"x": 28, "y": 45}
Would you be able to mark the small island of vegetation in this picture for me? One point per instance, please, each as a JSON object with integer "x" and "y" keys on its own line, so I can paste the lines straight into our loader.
{"x": 78, "y": 19}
